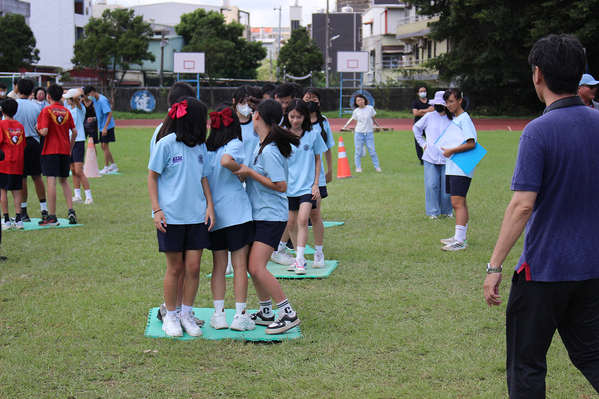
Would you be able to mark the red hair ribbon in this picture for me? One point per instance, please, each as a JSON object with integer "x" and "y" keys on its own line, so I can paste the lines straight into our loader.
{"x": 178, "y": 110}
{"x": 225, "y": 116}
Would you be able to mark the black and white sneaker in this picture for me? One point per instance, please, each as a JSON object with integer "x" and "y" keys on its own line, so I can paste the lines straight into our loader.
{"x": 283, "y": 323}
{"x": 260, "y": 319}
{"x": 72, "y": 218}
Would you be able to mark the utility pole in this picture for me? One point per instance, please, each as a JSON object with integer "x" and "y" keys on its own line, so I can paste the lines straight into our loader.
{"x": 162, "y": 44}
{"x": 326, "y": 57}
{"x": 279, "y": 41}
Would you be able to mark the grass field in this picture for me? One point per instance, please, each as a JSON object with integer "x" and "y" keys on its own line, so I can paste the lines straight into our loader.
{"x": 398, "y": 318}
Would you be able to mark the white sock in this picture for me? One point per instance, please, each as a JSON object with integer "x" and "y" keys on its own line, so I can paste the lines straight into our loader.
{"x": 300, "y": 252}
{"x": 460, "y": 233}
{"x": 44, "y": 206}
{"x": 23, "y": 204}
{"x": 219, "y": 306}
{"x": 318, "y": 248}
{"x": 285, "y": 306}
{"x": 185, "y": 308}
{"x": 282, "y": 245}
{"x": 77, "y": 192}
{"x": 266, "y": 308}
{"x": 113, "y": 165}
{"x": 88, "y": 194}
{"x": 240, "y": 307}
{"x": 171, "y": 312}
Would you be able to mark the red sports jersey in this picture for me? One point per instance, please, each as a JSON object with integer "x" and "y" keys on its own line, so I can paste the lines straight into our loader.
{"x": 13, "y": 143}
{"x": 58, "y": 120}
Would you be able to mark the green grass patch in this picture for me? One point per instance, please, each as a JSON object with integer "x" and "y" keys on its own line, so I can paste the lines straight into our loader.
{"x": 398, "y": 318}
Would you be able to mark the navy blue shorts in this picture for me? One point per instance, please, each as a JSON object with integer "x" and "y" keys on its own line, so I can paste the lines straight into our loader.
{"x": 109, "y": 138}
{"x": 295, "y": 202}
{"x": 183, "y": 237}
{"x": 32, "y": 165}
{"x": 56, "y": 165}
{"x": 323, "y": 192}
{"x": 269, "y": 233}
{"x": 457, "y": 185}
{"x": 11, "y": 182}
{"x": 232, "y": 238}
{"x": 78, "y": 152}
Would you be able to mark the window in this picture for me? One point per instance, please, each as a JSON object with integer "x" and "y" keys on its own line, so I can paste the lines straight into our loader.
{"x": 79, "y": 7}
{"x": 430, "y": 49}
{"x": 78, "y": 33}
{"x": 295, "y": 25}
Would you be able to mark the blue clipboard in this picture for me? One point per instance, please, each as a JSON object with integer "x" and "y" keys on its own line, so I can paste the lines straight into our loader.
{"x": 468, "y": 160}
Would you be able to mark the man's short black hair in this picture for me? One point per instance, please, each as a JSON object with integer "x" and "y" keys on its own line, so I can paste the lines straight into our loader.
{"x": 561, "y": 59}
{"x": 88, "y": 89}
{"x": 285, "y": 90}
{"x": 55, "y": 92}
{"x": 16, "y": 81}
{"x": 9, "y": 107}
{"x": 25, "y": 86}
{"x": 3, "y": 85}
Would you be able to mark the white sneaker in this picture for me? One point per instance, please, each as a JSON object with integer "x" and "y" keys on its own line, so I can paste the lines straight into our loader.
{"x": 229, "y": 269}
{"x": 451, "y": 240}
{"x": 433, "y": 217}
{"x": 456, "y": 246}
{"x": 282, "y": 258}
{"x": 242, "y": 322}
{"x": 189, "y": 325}
{"x": 378, "y": 169}
{"x": 449, "y": 216}
{"x": 219, "y": 321}
{"x": 6, "y": 225}
{"x": 77, "y": 200}
{"x": 172, "y": 326}
{"x": 113, "y": 168}
{"x": 358, "y": 170}
{"x": 89, "y": 201}
{"x": 104, "y": 170}
{"x": 300, "y": 266}
{"x": 318, "y": 260}
{"x": 19, "y": 225}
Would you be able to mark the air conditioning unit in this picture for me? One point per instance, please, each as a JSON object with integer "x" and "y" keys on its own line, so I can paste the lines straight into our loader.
{"x": 408, "y": 48}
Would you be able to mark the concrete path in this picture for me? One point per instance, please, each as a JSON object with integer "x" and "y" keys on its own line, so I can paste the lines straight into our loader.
{"x": 395, "y": 124}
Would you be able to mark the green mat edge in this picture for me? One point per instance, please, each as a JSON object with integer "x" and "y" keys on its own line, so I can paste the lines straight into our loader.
{"x": 63, "y": 224}
{"x": 336, "y": 263}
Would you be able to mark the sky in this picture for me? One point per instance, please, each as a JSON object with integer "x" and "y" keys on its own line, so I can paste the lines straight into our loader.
{"x": 262, "y": 12}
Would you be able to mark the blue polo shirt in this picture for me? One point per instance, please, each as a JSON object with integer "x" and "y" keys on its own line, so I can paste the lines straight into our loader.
{"x": 302, "y": 166}
{"x": 102, "y": 106}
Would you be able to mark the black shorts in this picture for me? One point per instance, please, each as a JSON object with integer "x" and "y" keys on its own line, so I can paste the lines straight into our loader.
{"x": 269, "y": 233}
{"x": 91, "y": 130}
{"x": 183, "y": 237}
{"x": 232, "y": 238}
{"x": 11, "y": 182}
{"x": 323, "y": 191}
{"x": 33, "y": 162}
{"x": 457, "y": 185}
{"x": 78, "y": 152}
{"x": 56, "y": 165}
{"x": 295, "y": 202}
{"x": 109, "y": 138}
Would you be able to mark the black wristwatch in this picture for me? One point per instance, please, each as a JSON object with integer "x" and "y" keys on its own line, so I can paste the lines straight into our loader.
{"x": 493, "y": 270}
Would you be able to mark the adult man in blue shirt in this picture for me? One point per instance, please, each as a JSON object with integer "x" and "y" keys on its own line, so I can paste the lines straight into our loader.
{"x": 105, "y": 124}
{"x": 556, "y": 282}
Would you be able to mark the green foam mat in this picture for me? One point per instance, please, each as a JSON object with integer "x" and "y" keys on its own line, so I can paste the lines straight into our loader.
{"x": 34, "y": 226}
{"x": 154, "y": 328}
{"x": 332, "y": 224}
{"x": 280, "y": 271}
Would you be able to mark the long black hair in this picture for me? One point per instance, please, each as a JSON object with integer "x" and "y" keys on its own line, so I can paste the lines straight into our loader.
{"x": 301, "y": 107}
{"x": 319, "y": 118}
{"x": 178, "y": 90}
{"x": 457, "y": 93}
{"x": 221, "y": 136}
{"x": 189, "y": 128}
{"x": 271, "y": 113}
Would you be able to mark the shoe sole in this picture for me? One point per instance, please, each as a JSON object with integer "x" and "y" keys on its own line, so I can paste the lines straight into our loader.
{"x": 192, "y": 334}
{"x": 300, "y": 271}
{"x": 171, "y": 335}
{"x": 318, "y": 265}
{"x": 452, "y": 249}
{"x": 281, "y": 330}
{"x": 219, "y": 327}
{"x": 241, "y": 328}
{"x": 50, "y": 224}
{"x": 282, "y": 263}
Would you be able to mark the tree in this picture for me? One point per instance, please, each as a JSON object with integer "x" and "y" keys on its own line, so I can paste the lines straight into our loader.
{"x": 17, "y": 44}
{"x": 114, "y": 42}
{"x": 301, "y": 55}
{"x": 490, "y": 40}
{"x": 227, "y": 54}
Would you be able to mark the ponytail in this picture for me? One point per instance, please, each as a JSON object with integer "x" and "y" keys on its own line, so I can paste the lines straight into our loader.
{"x": 271, "y": 112}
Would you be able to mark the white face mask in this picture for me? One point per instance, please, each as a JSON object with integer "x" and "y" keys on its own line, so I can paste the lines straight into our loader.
{"x": 2, "y": 93}
{"x": 422, "y": 95}
{"x": 244, "y": 109}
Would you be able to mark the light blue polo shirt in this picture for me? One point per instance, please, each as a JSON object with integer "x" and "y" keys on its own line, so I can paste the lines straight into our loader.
{"x": 27, "y": 113}
{"x": 267, "y": 204}
{"x": 250, "y": 138}
{"x": 102, "y": 106}
{"x": 181, "y": 169}
{"x": 330, "y": 142}
{"x": 302, "y": 167}
{"x": 231, "y": 203}
{"x": 78, "y": 118}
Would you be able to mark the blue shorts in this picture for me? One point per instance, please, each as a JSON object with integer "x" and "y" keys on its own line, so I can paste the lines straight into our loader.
{"x": 32, "y": 165}
{"x": 109, "y": 138}
{"x": 11, "y": 182}
{"x": 56, "y": 165}
{"x": 323, "y": 192}
{"x": 183, "y": 237}
{"x": 295, "y": 202}
{"x": 457, "y": 186}
{"x": 78, "y": 152}
{"x": 232, "y": 238}
{"x": 269, "y": 233}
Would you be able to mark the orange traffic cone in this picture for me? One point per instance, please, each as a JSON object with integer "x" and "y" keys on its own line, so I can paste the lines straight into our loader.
{"x": 91, "y": 161}
{"x": 342, "y": 163}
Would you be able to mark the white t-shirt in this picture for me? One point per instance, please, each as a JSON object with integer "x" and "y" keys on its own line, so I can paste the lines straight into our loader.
{"x": 364, "y": 118}
{"x": 469, "y": 132}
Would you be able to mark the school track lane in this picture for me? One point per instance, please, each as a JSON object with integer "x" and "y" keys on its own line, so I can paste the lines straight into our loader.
{"x": 395, "y": 124}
